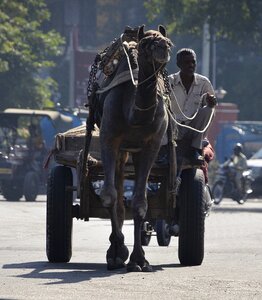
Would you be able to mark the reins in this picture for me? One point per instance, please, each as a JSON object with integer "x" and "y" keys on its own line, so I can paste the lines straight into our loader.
{"x": 179, "y": 108}
{"x": 190, "y": 118}
{"x": 192, "y": 128}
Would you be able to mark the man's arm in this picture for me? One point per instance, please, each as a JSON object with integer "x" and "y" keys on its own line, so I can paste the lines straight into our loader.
{"x": 242, "y": 164}
{"x": 207, "y": 87}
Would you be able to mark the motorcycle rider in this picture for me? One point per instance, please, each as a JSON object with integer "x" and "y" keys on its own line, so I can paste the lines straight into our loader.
{"x": 239, "y": 161}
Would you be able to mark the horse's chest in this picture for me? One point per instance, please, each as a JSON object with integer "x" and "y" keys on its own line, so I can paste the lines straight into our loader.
{"x": 136, "y": 138}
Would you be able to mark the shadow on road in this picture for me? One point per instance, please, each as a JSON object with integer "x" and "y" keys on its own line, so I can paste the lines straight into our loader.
{"x": 63, "y": 273}
{"x": 237, "y": 209}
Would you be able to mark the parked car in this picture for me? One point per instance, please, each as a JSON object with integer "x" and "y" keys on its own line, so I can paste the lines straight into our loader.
{"x": 26, "y": 137}
{"x": 255, "y": 163}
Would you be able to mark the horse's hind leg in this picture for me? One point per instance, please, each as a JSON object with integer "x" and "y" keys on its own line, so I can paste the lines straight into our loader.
{"x": 142, "y": 164}
{"x": 117, "y": 253}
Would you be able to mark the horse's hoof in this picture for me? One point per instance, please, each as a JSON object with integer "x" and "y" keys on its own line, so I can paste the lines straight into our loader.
{"x": 147, "y": 268}
{"x": 139, "y": 267}
{"x": 115, "y": 264}
{"x": 133, "y": 267}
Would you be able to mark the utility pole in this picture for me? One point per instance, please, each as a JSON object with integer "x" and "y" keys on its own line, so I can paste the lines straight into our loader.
{"x": 205, "y": 50}
{"x": 71, "y": 70}
{"x": 214, "y": 60}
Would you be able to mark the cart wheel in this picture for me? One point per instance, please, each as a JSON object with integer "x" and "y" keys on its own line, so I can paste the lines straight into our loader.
{"x": 162, "y": 233}
{"x": 59, "y": 215}
{"x": 218, "y": 191}
{"x": 191, "y": 218}
{"x": 145, "y": 236}
{"x": 31, "y": 186}
{"x": 12, "y": 190}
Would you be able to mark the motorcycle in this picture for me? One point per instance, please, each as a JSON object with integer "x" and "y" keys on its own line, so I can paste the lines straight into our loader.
{"x": 225, "y": 186}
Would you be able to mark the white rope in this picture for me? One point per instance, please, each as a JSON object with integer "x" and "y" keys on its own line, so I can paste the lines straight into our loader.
{"x": 192, "y": 128}
{"x": 190, "y": 118}
{"x": 135, "y": 83}
{"x": 182, "y": 113}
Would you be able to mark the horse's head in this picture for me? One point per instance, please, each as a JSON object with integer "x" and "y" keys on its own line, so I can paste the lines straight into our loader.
{"x": 154, "y": 45}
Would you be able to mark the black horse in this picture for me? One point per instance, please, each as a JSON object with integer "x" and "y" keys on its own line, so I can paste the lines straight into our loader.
{"x": 134, "y": 120}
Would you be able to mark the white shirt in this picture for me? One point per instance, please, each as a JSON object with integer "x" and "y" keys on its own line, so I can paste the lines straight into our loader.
{"x": 188, "y": 102}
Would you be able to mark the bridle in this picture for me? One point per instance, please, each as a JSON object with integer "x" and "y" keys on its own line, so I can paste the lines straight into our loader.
{"x": 135, "y": 82}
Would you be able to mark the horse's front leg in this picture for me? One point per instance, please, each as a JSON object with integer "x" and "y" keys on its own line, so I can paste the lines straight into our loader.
{"x": 142, "y": 163}
{"x": 117, "y": 253}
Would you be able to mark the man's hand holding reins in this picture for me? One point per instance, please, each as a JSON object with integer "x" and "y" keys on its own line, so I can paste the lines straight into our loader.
{"x": 211, "y": 100}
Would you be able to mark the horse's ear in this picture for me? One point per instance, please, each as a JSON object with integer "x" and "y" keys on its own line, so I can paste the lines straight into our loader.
{"x": 162, "y": 30}
{"x": 141, "y": 33}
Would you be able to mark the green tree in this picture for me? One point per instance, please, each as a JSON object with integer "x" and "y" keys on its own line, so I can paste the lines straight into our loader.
{"x": 239, "y": 21}
{"x": 26, "y": 54}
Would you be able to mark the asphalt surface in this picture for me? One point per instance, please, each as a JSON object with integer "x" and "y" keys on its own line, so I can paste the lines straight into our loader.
{"x": 232, "y": 267}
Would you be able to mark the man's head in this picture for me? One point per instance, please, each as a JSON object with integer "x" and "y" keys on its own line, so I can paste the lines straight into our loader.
{"x": 186, "y": 61}
{"x": 238, "y": 148}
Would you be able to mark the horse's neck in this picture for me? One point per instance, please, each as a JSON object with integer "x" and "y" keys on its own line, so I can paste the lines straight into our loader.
{"x": 147, "y": 88}
{"x": 145, "y": 101}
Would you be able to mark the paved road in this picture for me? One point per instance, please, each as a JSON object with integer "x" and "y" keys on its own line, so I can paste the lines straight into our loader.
{"x": 232, "y": 267}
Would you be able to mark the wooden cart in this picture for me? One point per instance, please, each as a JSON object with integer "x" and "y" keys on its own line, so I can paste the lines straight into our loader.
{"x": 166, "y": 211}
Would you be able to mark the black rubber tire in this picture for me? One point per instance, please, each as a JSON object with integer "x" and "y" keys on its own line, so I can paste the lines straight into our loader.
{"x": 217, "y": 192}
{"x": 59, "y": 221}
{"x": 191, "y": 218}
{"x": 11, "y": 190}
{"x": 162, "y": 233}
{"x": 31, "y": 186}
